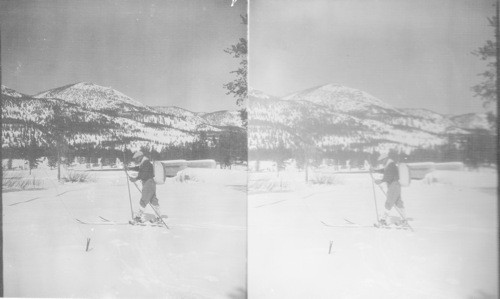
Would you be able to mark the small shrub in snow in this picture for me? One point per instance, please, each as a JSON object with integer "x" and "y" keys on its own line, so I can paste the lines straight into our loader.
{"x": 20, "y": 180}
{"x": 325, "y": 179}
{"x": 78, "y": 177}
{"x": 183, "y": 177}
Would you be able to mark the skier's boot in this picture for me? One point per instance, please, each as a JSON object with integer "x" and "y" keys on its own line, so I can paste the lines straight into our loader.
{"x": 403, "y": 222}
{"x": 157, "y": 219}
{"x": 139, "y": 217}
{"x": 383, "y": 222}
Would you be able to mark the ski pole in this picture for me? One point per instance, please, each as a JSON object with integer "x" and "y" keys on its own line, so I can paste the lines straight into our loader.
{"x": 374, "y": 193}
{"x": 128, "y": 184}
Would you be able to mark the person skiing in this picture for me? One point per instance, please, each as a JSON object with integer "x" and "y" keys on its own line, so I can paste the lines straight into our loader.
{"x": 146, "y": 175}
{"x": 391, "y": 177}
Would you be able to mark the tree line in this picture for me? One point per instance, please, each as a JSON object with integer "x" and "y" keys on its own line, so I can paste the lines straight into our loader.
{"x": 226, "y": 147}
{"x": 474, "y": 149}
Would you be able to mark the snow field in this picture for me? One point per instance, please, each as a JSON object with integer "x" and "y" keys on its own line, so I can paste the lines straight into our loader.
{"x": 451, "y": 254}
{"x": 213, "y": 176}
{"x": 285, "y": 181}
{"x": 483, "y": 179}
{"x": 203, "y": 255}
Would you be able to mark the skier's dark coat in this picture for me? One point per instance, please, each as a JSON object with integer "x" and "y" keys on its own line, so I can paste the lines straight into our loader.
{"x": 146, "y": 171}
{"x": 391, "y": 173}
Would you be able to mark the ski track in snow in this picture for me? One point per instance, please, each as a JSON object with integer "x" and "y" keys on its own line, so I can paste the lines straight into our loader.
{"x": 451, "y": 254}
{"x": 39, "y": 197}
{"x": 201, "y": 256}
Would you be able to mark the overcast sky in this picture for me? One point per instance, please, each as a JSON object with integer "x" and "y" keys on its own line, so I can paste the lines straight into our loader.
{"x": 164, "y": 52}
{"x": 407, "y": 53}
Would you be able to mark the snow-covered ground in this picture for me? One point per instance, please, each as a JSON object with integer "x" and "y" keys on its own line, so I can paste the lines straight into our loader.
{"x": 203, "y": 255}
{"x": 452, "y": 252}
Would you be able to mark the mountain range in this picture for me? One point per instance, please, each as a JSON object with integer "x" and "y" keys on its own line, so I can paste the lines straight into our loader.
{"x": 97, "y": 115}
{"x": 327, "y": 117}
{"x": 335, "y": 117}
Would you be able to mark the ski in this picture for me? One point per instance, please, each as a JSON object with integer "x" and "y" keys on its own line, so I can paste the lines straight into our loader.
{"x": 145, "y": 223}
{"x": 109, "y": 222}
{"x": 375, "y": 225}
{"x": 404, "y": 227}
{"x": 348, "y": 221}
{"x": 104, "y": 219}
{"x": 353, "y": 225}
{"x": 99, "y": 223}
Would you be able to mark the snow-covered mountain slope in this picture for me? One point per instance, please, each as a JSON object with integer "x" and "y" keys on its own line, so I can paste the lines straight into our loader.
{"x": 471, "y": 121}
{"x": 174, "y": 110}
{"x": 341, "y": 98}
{"x": 258, "y": 94}
{"x": 11, "y": 92}
{"x": 114, "y": 103}
{"x": 365, "y": 106}
{"x": 325, "y": 127}
{"x": 24, "y": 118}
{"x": 424, "y": 120}
{"x": 183, "y": 114}
{"x": 223, "y": 118}
{"x": 185, "y": 123}
{"x": 334, "y": 117}
{"x": 110, "y": 120}
{"x": 93, "y": 97}
{"x": 427, "y": 120}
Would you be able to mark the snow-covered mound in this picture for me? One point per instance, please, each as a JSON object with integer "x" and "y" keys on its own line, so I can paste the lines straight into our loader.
{"x": 93, "y": 96}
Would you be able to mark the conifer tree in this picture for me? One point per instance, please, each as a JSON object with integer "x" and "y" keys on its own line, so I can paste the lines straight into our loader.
{"x": 487, "y": 89}
{"x": 238, "y": 87}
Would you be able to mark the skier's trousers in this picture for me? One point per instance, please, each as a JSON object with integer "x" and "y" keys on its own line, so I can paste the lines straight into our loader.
{"x": 149, "y": 193}
{"x": 394, "y": 196}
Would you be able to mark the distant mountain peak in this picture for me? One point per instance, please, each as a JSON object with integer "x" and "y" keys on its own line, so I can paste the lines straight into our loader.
{"x": 332, "y": 87}
{"x": 260, "y": 94}
{"x": 339, "y": 97}
{"x": 90, "y": 95}
{"x": 11, "y": 92}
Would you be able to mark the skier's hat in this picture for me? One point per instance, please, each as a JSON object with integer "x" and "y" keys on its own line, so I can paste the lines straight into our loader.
{"x": 138, "y": 154}
{"x": 383, "y": 156}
